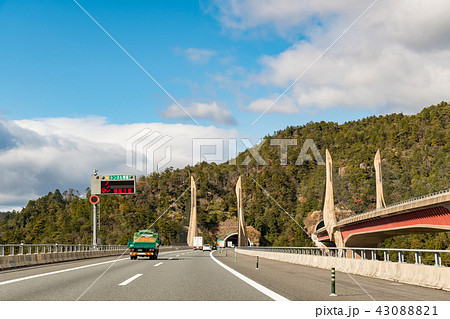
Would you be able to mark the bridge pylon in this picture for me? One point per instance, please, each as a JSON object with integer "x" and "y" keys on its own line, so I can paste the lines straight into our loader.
{"x": 242, "y": 231}
{"x": 329, "y": 214}
{"x": 193, "y": 231}
{"x": 379, "y": 181}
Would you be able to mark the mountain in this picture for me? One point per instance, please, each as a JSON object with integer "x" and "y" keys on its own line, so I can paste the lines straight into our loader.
{"x": 415, "y": 151}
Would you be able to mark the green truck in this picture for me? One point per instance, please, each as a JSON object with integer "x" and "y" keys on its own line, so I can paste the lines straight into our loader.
{"x": 145, "y": 243}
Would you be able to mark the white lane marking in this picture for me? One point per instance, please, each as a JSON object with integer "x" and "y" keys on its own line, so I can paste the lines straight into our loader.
{"x": 64, "y": 270}
{"x": 158, "y": 264}
{"x": 254, "y": 284}
{"x": 126, "y": 282}
{"x": 57, "y": 272}
{"x": 177, "y": 256}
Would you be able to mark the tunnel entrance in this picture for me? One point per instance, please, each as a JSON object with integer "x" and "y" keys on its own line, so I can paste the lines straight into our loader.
{"x": 233, "y": 238}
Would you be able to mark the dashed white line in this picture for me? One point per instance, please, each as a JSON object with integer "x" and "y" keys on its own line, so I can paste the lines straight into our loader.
{"x": 126, "y": 282}
{"x": 158, "y": 264}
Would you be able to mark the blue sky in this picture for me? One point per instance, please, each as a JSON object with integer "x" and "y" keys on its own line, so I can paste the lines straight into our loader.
{"x": 59, "y": 63}
{"x": 66, "y": 84}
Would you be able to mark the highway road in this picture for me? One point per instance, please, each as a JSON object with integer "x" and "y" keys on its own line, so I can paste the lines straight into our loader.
{"x": 195, "y": 275}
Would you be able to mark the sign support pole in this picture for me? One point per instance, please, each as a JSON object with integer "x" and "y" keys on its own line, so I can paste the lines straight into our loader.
{"x": 94, "y": 225}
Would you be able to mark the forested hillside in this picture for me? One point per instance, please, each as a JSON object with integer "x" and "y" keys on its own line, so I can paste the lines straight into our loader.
{"x": 415, "y": 153}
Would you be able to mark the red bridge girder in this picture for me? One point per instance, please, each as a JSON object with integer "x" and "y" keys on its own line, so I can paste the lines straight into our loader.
{"x": 431, "y": 219}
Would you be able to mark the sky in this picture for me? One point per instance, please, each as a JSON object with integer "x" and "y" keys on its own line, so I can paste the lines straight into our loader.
{"x": 137, "y": 86}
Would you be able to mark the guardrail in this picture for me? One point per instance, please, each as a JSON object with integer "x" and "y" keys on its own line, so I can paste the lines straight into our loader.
{"x": 412, "y": 256}
{"x": 28, "y": 249}
{"x": 445, "y": 191}
{"x": 435, "y": 194}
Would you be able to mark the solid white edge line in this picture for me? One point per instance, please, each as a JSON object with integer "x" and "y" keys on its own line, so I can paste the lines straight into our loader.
{"x": 57, "y": 272}
{"x": 254, "y": 284}
{"x": 126, "y": 282}
{"x": 158, "y": 264}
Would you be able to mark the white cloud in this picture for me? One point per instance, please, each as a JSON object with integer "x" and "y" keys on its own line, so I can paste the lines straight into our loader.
{"x": 199, "y": 56}
{"x": 38, "y": 156}
{"x": 395, "y": 58}
{"x": 284, "y": 105}
{"x": 284, "y": 16}
{"x": 209, "y": 111}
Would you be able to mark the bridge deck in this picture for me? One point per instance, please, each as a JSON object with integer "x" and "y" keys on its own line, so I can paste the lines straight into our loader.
{"x": 427, "y": 201}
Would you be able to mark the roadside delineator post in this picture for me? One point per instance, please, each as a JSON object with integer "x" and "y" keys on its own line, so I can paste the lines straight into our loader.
{"x": 257, "y": 262}
{"x": 226, "y": 254}
{"x": 333, "y": 283}
{"x": 235, "y": 256}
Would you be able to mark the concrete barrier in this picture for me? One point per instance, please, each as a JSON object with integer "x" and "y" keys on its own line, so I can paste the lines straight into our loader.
{"x": 8, "y": 262}
{"x": 421, "y": 275}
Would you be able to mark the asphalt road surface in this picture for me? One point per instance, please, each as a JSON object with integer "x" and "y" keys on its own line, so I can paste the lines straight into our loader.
{"x": 195, "y": 275}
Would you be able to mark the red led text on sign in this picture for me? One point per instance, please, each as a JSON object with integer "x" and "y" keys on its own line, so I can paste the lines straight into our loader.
{"x": 117, "y": 187}
{"x": 123, "y": 191}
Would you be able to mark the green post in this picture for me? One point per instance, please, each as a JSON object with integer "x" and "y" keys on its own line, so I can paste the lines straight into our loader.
{"x": 257, "y": 262}
{"x": 235, "y": 256}
{"x": 333, "y": 283}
